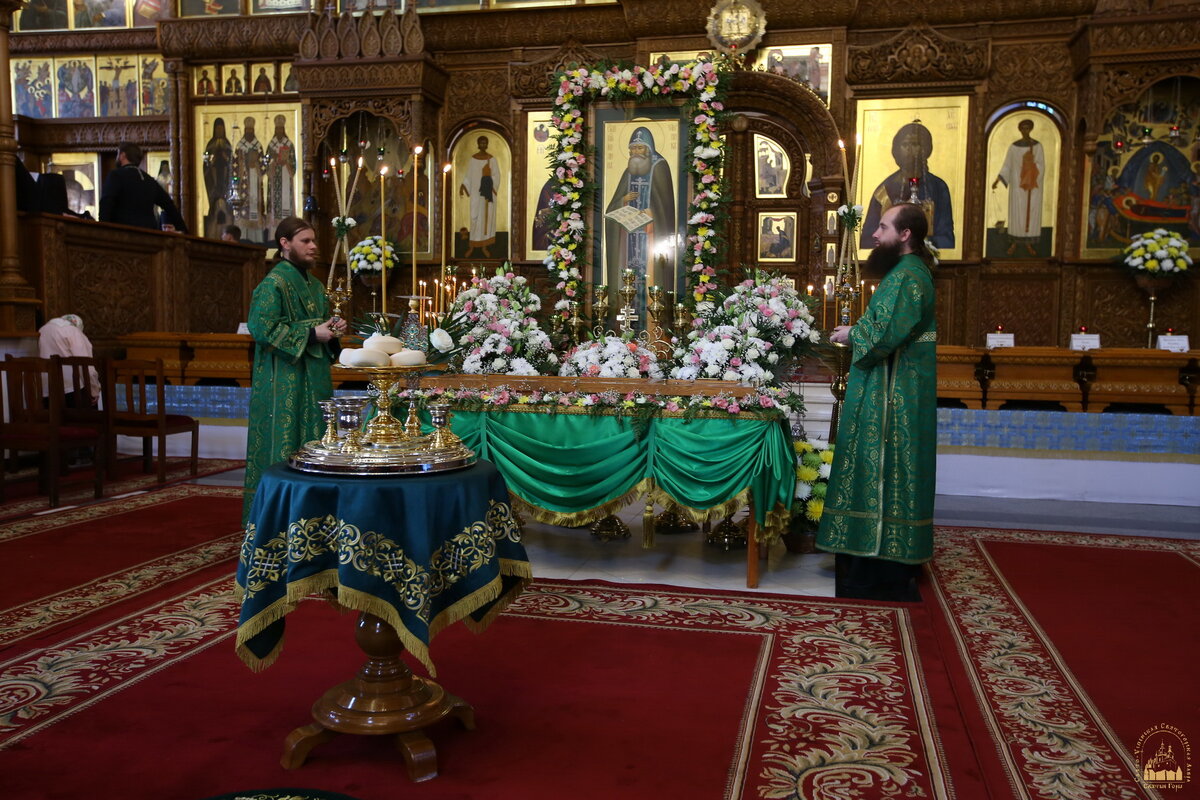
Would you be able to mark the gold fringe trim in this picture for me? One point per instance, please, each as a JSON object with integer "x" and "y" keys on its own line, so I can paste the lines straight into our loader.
{"x": 345, "y": 598}
{"x": 285, "y": 605}
{"x": 769, "y": 533}
{"x": 1071, "y": 455}
{"x": 577, "y": 519}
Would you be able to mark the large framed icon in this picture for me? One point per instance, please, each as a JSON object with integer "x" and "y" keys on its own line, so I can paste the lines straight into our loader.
{"x": 260, "y": 146}
{"x": 914, "y": 149}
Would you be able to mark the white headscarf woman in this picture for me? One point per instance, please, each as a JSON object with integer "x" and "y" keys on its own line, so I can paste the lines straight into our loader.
{"x": 63, "y": 336}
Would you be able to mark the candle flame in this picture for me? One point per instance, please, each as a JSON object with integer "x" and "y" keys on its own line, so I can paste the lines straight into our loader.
{"x": 418, "y": 150}
{"x": 446, "y": 167}
{"x": 841, "y": 145}
{"x": 858, "y": 139}
{"x": 383, "y": 170}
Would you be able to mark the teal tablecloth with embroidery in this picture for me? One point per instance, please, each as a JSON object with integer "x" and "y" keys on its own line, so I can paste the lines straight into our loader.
{"x": 420, "y": 551}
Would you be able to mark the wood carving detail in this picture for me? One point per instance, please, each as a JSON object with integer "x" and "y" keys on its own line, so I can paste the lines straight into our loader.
{"x": 481, "y": 93}
{"x": 349, "y": 76}
{"x": 265, "y": 36}
{"x": 1027, "y": 308}
{"x": 533, "y": 79}
{"x": 138, "y": 39}
{"x": 98, "y": 134}
{"x": 211, "y": 293}
{"x": 402, "y": 114}
{"x": 918, "y": 54}
{"x": 1144, "y": 35}
{"x": 1031, "y": 70}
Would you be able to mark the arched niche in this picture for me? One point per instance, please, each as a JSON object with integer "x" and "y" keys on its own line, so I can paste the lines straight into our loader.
{"x": 1024, "y": 150}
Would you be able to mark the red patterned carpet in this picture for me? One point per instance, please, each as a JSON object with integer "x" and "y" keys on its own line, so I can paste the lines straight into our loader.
{"x": 1012, "y": 680}
{"x": 1079, "y": 654}
{"x": 21, "y": 496}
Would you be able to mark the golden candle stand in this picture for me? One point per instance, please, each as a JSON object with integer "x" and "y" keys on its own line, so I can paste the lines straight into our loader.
{"x": 384, "y": 446}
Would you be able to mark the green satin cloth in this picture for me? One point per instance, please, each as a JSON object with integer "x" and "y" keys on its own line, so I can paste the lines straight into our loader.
{"x": 571, "y": 465}
{"x": 420, "y": 552}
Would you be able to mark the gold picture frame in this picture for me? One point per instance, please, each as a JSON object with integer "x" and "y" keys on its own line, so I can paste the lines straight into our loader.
{"x": 540, "y": 184}
{"x": 82, "y": 174}
{"x": 776, "y": 232}
{"x": 811, "y": 64}
{"x": 772, "y": 168}
{"x": 265, "y": 196}
{"x": 481, "y": 229}
{"x": 1022, "y": 186}
{"x": 934, "y": 131}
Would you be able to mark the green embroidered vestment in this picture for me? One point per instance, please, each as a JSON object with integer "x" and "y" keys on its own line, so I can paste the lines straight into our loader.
{"x": 881, "y": 490}
{"x": 291, "y": 370}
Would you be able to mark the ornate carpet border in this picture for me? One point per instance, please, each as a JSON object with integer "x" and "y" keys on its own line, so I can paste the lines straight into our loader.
{"x": 24, "y": 620}
{"x": 1052, "y": 741}
{"x": 841, "y": 707}
{"x": 115, "y": 505}
{"x": 835, "y": 705}
{"x": 40, "y": 688}
{"x": 177, "y": 470}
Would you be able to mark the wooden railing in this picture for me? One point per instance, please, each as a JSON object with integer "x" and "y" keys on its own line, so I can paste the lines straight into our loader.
{"x": 978, "y": 377}
{"x": 1090, "y": 380}
{"x": 121, "y": 279}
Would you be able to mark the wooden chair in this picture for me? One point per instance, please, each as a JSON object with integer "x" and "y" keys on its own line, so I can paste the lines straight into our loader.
{"x": 80, "y": 388}
{"x": 35, "y": 423}
{"x": 134, "y": 411}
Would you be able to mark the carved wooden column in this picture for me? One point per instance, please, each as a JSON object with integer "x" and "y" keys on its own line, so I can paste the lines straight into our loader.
{"x": 18, "y": 299}
{"x": 181, "y": 139}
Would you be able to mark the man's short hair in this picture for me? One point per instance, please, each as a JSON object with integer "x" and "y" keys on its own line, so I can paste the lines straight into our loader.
{"x": 911, "y": 217}
{"x": 234, "y": 231}
{"x": 133, "y": 153}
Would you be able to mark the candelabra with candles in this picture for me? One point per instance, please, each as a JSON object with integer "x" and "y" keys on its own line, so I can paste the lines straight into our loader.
{"x": 341, "y": 294}
{"x": 847, "y": 284}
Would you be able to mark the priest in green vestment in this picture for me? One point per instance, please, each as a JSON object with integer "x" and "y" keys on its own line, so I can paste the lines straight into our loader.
{"x": 294, "y": 342}
{"x": 878, "y": 514}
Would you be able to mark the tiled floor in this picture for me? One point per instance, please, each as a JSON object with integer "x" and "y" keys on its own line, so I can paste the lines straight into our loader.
{"x": 685, "y": 559}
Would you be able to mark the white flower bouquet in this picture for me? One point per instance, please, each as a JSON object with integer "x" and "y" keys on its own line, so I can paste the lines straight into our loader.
{"x": 368, "y": 255}
{"x": 502, "y": 335}
{"x": 611, "y": 357}
{"x": 342, "y": 226}
{"x": 1158, "y": 252}
{"x": 762, "y": 322}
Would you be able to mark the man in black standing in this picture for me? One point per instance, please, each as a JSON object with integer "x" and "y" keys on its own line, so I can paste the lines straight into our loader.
{"x": 130, "y": 195}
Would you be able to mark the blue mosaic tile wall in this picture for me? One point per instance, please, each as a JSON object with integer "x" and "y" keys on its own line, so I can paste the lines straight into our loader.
{"x": 957, "y": 427}
{"x": 1057, "y": 430}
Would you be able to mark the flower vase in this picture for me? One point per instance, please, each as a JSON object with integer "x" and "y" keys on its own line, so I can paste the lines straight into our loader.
{"x": 372, "y": 280}
{"x": 1152, "y": 285}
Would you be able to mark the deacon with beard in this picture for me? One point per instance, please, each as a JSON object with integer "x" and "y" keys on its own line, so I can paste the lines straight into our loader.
{"x": 295, "y": 341}
{"x": 878, "y": 515}
{"x": 645, "y": 185}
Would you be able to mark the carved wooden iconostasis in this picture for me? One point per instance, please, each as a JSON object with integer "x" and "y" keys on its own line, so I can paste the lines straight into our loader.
{"x": 1098, "y": 74}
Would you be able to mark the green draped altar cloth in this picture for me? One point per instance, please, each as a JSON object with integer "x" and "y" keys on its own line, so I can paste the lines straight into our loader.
{"x": 573, "y": 466}
{"x": 420, "y": 551}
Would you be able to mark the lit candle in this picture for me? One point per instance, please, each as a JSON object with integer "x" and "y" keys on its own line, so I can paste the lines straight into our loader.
{"x": 845, "y": 169}
{"x": 337, "y": 185}
{"x": 357, "y": 172}
{"x": 441, "y": 303}
{"x": 416, "y": 176}
{"x": 810, "y": 290}
{"x": 383, "y": 234}
{"x": 862, "y": 297}
{"x": 857, "y": 166}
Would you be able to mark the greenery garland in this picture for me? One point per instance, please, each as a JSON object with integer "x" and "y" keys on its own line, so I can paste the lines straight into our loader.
{"x": 699, "y": 83}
